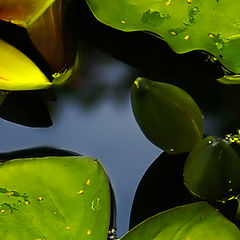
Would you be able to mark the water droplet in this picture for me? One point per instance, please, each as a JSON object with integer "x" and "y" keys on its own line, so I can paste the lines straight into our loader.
{"x": 123, "y": 21}
{"x": 80, "y": 192}
{"x": 10, "y": 193}
{"x": 95, "y": 205}
{"x": 189, "y": 1}
{"x": 68, "y": 228}
{"x": 27, "y": 202}
{"x": 168, "y": 3}
{"x": 40, "y": 199}
{"x": 88, "y": 182}
{"x": 209, "y": 141}
{"x": 171, "y": 149}
{"x": 211, "y": 35}
{"x": 89, "y": 232}
{"x": 187, "y": 37}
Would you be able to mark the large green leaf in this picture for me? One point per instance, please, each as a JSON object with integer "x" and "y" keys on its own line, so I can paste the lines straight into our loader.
{"x": 212, "y": 25}
{"x": 54, "y": 198}
{"x": 18, "y": 72}
{"x": 195, "y": 221}
{"x": 167, "y": 115}
{"x": 212, "y": 169}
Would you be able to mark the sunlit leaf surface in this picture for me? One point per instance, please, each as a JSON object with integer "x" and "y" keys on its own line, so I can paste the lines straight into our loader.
{"x": 212, "y": 26}
{"x": 195, "y": 221}
{"x": 18, "y": 72}
{"x": 23, "y": 12}
{"x": 64, "y": 198}
{"x": 167, "y": 115}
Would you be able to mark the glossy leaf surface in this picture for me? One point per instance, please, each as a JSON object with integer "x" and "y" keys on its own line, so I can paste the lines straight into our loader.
{"x": 18, "y": 72}
{"x": 23, "y": 12}
{"x": 195, "y": 221}
{"x": 54, "y": 198}
{"x": 212, "y": 169}
{"x": 212, "y": 26}
{"x": 167, "y": 115}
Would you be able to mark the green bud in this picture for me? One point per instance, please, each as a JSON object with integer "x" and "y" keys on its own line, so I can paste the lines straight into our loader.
{"x": 167, "y": 115}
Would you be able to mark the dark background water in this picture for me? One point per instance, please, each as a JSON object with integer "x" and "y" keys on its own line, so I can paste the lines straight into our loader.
{"x": 92, "y": 115}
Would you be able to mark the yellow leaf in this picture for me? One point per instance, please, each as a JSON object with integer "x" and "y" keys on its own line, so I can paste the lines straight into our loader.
{"x": 18, "y": 72}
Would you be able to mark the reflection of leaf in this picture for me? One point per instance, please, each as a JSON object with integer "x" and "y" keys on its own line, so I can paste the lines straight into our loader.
{"x": 27, "y": 108}
{"x": 167, "y": 115}
{"x": 166, "y": 172}
{"x": 54, "y": 198}
{"x": 18, "y": 72}
{"x": 23, "y": 12}
{"x": 195, "y": 221}
{"x": 190, "y": 25}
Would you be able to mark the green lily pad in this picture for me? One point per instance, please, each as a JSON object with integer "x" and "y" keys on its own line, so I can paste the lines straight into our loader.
{"x": 212, "y": 26}
{"x": 54, "y": 198}
{"x": 212, "y": 170}
{"x": 167, "y": 115}
{"x": 195, "y": 221}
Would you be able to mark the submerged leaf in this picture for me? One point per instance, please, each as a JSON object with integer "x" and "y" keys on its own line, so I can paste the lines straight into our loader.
{"x": 212, "y": 26}
{"x": 195, "y": 221}
{"x": 23, "y": 12}
{"x": 18, "y": 72}
{"x": 54, "y": 198}
{"x": 167, "y": 115}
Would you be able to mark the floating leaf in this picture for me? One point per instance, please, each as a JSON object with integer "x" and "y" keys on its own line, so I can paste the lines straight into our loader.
{"x": 212, "y": 26}
{"x": 54, "y": 198}
{"x": 212, "y": 169}
{"x": 167, "y": 115}
{"x": 23, "y": 12}
{"x": 195, "y": 221}
{"x": 18, "y": 72}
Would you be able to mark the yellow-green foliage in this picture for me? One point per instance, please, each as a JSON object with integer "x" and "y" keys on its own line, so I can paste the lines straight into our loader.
{"x": 212, "y": 25}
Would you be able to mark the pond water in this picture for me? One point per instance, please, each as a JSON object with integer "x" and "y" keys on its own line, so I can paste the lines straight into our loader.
{"x": 107, "y": 131}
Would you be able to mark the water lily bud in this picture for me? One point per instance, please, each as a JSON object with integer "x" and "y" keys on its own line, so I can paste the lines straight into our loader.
{"x": 212, "y": 169}
{"x": 167, "y": 115}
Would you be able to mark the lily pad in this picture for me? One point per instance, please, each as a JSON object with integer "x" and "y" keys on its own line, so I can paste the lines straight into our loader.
{"x": 54, "y": 198}
{"x": 212, "y": 168}
{"x": 212, "y": 26}
{"x": 195, "y": 221}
